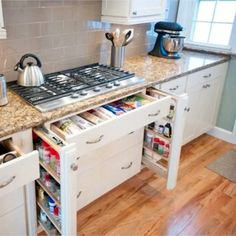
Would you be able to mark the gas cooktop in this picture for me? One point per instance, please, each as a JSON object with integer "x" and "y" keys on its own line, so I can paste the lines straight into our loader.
{"x": 73, "y": 85}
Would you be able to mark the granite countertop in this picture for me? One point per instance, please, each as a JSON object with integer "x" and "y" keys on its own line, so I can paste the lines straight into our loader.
{"x": 17, "y": 115}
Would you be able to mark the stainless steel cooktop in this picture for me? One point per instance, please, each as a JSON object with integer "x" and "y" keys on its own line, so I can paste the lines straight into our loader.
{"x": 73, "y": 85}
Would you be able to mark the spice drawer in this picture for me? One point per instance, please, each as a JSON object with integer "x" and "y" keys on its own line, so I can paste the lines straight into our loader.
{"x": 19, "y": 171}
{"x": 98, "y": 135}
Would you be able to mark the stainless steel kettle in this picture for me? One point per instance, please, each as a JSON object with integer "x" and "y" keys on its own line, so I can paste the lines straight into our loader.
{"x": 30, "y": 74}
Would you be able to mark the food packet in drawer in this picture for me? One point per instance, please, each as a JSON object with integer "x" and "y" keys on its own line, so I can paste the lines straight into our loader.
{"x": 125, "y": 107}
{"x": 81, "y": 122}
{"x": 104, "y": 112}
{"x": 68, "y": 126}
{"x": 135, "y": 101}
{"x": 115, "y": 110}
{"x": 91, "y": 117}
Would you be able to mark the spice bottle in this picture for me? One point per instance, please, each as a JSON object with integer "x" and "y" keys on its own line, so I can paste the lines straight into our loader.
{"x": 161, "y": 147}
{"x": 171, "y": 112}
{"x": 148, "y": 139}
{"x": 166, "y": 150}
{"x": 155, "y": 144}
{"x": 167, "y": 130}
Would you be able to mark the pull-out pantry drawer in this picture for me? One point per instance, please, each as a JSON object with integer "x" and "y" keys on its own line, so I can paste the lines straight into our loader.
{"x": 19, "y": 171}
{"x": 105, "y": 132}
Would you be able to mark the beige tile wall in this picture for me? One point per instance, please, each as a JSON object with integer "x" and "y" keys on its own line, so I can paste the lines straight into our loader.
{"x": 62, "y": 33}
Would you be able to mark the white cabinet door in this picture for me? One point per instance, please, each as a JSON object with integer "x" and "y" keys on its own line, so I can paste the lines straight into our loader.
{"x": 193, "y": 111}
{"x": 146, "y": 8}
{"x": 209, "y": 94}
{"x": 132, "y": 11}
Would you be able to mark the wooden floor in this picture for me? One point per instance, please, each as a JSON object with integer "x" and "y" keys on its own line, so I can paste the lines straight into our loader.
{"x": 203, "y": 203}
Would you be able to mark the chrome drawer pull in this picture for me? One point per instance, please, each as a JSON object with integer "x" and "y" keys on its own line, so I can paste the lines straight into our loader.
{"x": 207, "y": 76}
{"x": 74, "y": 167}
{"x": 205, "y": 86}
{"x": 79, "y": 193}
{"x": 7, "y": 182}
{"x": 176, "y": 87}
{"x": 131, "y": 132}
{"x": 127, "y": 167}
{"x": 155, "y": 114}
{"x": 208, "y": 85}
{"x": 96, "y": 141}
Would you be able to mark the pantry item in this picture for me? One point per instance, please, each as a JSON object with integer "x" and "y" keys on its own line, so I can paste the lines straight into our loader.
{"x": 106, "y": 112}
{"x": 51, "y": 204}
{"x": 161, "y": 147}
{"x": 167, "y": 130}
{"x": 115, "y": 110}
{"x": 171, "y": 112}
{"x": 166, "y": 150}
{"x": 156, "y": 144}
{"x": 87, "y": 115}
{"x": 3, "y": 91}
{"x": 135, "y": 101}
{"x": 67, "y": 126}
{"x": 43, "y": 216}
{"x": 40, "y": 194}
{"x": 148, "y": 139}
{"x": 81, "y": 122}
{"x": 151, "y": 125}
{"x": 160, "y": 129}
{"x": 30, "y": 75}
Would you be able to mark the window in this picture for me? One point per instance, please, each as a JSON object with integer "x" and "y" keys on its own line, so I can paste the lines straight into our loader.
{"x": 208, "y": 22}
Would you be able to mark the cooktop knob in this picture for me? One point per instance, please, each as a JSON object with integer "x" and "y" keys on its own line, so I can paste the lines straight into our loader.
{"x": 74, "y": 95}
{"x": 83, "y": 93}
{"x": 117, "y": 83}
{"x": 109, "y": 85}
{"x": 97, "y": 89}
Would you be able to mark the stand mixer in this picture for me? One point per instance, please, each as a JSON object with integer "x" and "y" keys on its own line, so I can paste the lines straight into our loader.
{"x": 169, "y": 42}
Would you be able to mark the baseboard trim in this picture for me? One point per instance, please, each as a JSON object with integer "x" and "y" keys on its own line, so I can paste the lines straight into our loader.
{"x": 224, "y": 134}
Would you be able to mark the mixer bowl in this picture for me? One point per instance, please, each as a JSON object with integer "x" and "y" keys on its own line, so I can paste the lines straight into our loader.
{"x": 173, "y": 44}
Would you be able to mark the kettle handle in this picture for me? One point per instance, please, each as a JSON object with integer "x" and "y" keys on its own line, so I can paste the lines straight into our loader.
{"x": 20, "y": 63}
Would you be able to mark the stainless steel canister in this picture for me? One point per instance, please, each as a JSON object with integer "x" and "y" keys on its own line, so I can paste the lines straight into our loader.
{"x": 117, "y": 56}
{"x": 3, "y": 91}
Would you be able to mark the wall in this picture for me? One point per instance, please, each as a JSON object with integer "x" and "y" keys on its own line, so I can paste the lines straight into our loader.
{"x": 63, "y": 34}
{"x": 227, "y": 113}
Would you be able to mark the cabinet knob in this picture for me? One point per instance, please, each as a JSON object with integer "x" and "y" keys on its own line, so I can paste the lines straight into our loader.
{"x": 187, "y": 109}
{"x": 74, "y": 167}
{"x": 78, "y": 195}
{"x": 135, "y": 13}
{"x": 205, "y": 86}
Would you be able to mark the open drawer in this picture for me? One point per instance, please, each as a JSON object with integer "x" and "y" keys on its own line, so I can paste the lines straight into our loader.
{"x": 18, "y": 171}
{"x": 105, "y": 132}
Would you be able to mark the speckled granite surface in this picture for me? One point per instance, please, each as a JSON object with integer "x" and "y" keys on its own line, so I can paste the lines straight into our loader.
{"x": 18, "y": 115}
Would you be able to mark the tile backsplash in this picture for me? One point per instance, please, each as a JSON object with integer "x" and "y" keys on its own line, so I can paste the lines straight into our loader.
{"x": 62, "y": 33}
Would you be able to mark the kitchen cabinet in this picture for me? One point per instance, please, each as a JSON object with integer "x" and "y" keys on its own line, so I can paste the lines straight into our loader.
{"x": 204, "y": 89}
{"x": 17, "y": 206}
{"x": 133, "y": 11}
{"x": 3, "y": 33}
{"x": 95, "y": 160}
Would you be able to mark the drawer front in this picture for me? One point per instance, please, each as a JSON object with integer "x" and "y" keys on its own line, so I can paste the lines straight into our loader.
{"x": 14, "y": 223}
{"x": 122, "y": 167}
{"x": 92, "y": 159}
{"x": 108, "y": 131}
{"x": 11, "y": 201}
{"x": 175, "y": 86}
{"x": 18, "y": 172}
{"x": 196, "y": 79}
{"x": 107, "y": 175}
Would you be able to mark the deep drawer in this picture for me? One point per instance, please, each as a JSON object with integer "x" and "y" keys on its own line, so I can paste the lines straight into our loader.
{"x": 98, "y": 135}
{"x": 19, "y": 171}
